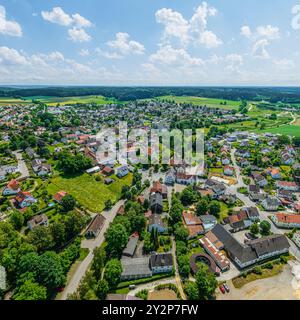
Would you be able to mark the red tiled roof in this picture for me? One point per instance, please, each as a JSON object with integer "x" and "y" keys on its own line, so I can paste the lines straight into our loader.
{"x": 190, "y": 219}
{"x": 288, "y": 218}
{"x": 59, "y": 196}
{"x": 13, "y": 185}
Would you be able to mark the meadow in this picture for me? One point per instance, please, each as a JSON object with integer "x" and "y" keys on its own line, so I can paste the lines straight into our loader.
{"x": 90, "y": 193}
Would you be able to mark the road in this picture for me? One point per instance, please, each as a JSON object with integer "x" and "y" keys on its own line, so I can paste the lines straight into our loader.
{"x": 294, "y": 250}
{"x": 91, "y": 245}
{"x": 177, "y": 276}
{"x": 21, "y": 165}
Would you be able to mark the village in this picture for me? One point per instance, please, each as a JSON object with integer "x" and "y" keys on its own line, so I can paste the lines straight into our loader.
{"x": 137, "y": 231}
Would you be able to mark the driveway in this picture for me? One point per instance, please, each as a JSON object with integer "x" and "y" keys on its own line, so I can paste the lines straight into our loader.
{"x": 21, "y": 165}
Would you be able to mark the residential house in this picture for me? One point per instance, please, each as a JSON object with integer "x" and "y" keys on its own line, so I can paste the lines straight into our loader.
{"x": 107, "y": 171}
{"x": 161, "y": 263}
{"x": 95, "y": 226}
{"x": 287, "y": 185}
{"x": 271, "y": 203}
{"x": 193, "y": 224}
{"x": 259, "y": 179}
{"x": 122, "y": 172}
{"x": 156, "y": 203}
{"x": 36, "y": 221}
{"x": 208, "y": 222}
{"x": 229, "y": 170}
{"x": 12, "y": 188}
{"x": 170, "y": 177}
{"x": 156, "y": 222}
{"x": 59, "y": 196}
{"x": 24, "y": 199}
{"x": 159, "y": 188}
{"x": 252, "y": 213}
{"x": 31, "y": 153}
{"x": 284, "y": 220}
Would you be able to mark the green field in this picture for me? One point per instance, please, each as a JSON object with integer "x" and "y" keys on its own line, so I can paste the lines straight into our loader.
{"x": 52, "y": 101}
{"x": 291, "y": 130}
{"x": 10, "y": 101}
{"x": 209, "y": 102}
{"x": 88, "y": 192}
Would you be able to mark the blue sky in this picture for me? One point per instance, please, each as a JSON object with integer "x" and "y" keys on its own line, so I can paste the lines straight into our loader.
{"x": 146, "y": 42}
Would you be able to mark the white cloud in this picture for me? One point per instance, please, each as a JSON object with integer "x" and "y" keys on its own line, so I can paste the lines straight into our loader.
{"x": 58, "y": 16}
{"x": 246, "y": 31}
{"x": 10, "y": 28}
{"x": 234, "y": 58}
{"x": 80, "y": 21}
{"x": 10, "y": 56}
{"x": 125, "y": 46}
{"x": 168, "y": 55}
{"x": 78, "y": 35}
{"x": 268, "y": 32}
{"x": 108, "y": 55}
{"x": 187, "y": 31}
{"x": 84, "y": 52}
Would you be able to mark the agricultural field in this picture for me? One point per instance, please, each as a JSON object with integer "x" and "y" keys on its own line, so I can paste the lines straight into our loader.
{"x": 291, "y": 130}
{"x": 53, "y": 101}
{"x": 11, "y": 101}
{"x": 90, "y": 193}
{"x": 209, "y": 102}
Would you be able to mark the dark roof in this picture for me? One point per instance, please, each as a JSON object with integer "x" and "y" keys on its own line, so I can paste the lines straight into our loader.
{"x": 254, "y": 249}
{"x": 156, "y": 199}
{"x": 252, "y": 212}
{"x": 131, "y": 246}
{"x": 161, "y": 260}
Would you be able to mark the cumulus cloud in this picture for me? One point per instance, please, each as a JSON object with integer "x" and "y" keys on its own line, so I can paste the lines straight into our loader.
{"x": 9, "y": 27}
{"x": 187, "y": 31}
{"x": 78, "y": 35}
{"x": 125, "y": 46}
{"x": 80, "y": 21}
{"x": 167, "y": 55}
{"x": 259, "y": 49}
{"x": 107, "y": 54}
{"x": 58, "y": 16}
{"x": 84, "y": 52}
{"x": 10, "y": 56}
{"x": 246, "y": 31}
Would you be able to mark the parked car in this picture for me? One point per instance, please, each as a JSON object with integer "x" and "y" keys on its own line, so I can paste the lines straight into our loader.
{"x": 222, "y": 289}
{"x": 225, "y": 285}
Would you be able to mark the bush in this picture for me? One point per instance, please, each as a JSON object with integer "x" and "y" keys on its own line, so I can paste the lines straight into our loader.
{"x": 143, "y": 294}
{"x": 283, "y": 259}
{"x": 257, "y": 270}
{"x": 268, "y": 265}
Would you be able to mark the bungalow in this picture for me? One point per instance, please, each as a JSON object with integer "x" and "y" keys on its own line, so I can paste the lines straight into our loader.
{"x": 156, "y": 222}
{"x": 296, "y": 238}
{"x": 156, "y": 203}
{"x": 161, "y": 263}
{"x": 95, "y": 226}
{"x": 59, "y": 196}
{"x": 271, "y": 203}
{"x": 287, "y": 185}
{"x": 229, "y": 170}
{"x": 39, "y": 220}
{"x": 13, "y": 187}
{"x": 122, "y": 172}
{"x": 283, "y": 220}
{"x": 24, "y": 199}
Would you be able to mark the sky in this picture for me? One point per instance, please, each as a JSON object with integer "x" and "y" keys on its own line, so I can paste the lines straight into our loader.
{"x": 150, "y": 42}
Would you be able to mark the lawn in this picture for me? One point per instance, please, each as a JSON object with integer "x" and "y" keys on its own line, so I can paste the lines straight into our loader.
{"x": 88, "y": 192}
{"x": 209, "y": 102}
